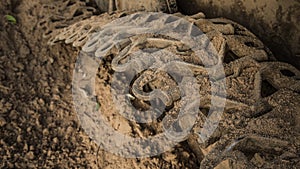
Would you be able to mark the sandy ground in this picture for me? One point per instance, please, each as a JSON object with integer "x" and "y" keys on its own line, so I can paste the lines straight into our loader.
{"x": 38, "y": 124}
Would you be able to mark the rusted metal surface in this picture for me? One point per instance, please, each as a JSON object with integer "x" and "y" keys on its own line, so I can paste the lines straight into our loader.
{"x": 276, "y": 22}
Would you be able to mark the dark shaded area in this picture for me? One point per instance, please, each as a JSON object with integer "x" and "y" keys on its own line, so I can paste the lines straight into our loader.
{"x": 287, "y": 73}
{"x": 267, "y": 89}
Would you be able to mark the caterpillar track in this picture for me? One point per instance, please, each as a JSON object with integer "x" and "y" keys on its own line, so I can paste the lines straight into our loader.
{"x": 252, "y": 132}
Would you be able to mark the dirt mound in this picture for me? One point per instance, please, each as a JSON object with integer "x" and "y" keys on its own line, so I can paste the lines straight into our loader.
{"x": 39, "y": 127}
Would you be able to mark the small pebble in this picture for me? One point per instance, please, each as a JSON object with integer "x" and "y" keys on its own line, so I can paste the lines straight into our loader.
{"x": 31, "y": 148}
{"x": 55, "y": 140}
{"x": 2, "y": 121}
{"x": 258, "y": 160}
{"x": 25, "y": 148}
{"x": 45, "y": 132}
{"x": 13, "y": 115}
{"x": 56, "y": 97}
{"x": 51, "y": 60}
{"x": 169, "y": 157}
{"x": 186, "y": 155}
{"x": 223, "y": 165}
{"x": 41, "y": 102}
{"x": 28, "y": 129}
{"x": 51, "y": 106}
{"x": 19, "y": 139}
{"x": 49, "y": 153}
{"x": 29, "y": 155}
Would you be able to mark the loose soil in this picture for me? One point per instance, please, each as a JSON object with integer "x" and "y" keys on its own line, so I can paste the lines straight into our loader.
{"x": 38, "y": 124}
